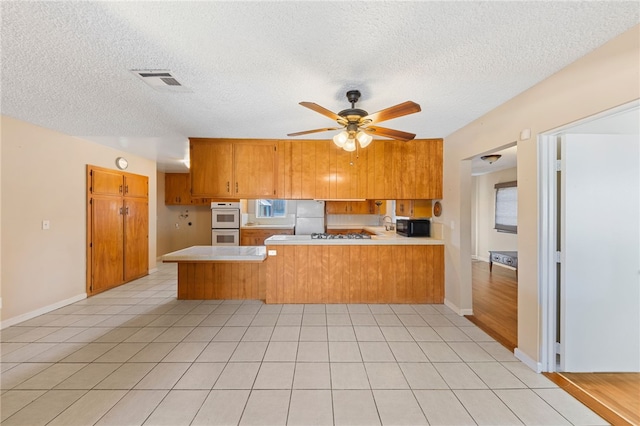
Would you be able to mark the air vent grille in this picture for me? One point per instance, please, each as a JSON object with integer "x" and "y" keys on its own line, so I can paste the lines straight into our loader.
{"x": 161, "y": 80}
{"x": 170, "y": 81}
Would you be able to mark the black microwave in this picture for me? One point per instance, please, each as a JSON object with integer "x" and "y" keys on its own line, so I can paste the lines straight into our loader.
{"x": 413, "y": 227}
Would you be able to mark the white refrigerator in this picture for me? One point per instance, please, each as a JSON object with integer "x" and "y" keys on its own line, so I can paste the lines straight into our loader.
{"x": 309, "y": 217}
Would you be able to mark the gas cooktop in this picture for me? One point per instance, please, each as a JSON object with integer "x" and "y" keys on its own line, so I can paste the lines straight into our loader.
{"x": 349, "y": 236}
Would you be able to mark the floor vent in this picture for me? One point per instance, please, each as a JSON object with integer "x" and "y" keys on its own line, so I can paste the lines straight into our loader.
{"x": 161, "y": 80}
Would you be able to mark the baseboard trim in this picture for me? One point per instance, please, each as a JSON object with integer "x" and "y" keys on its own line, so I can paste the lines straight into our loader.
{"x": 526, "y": 360}
{"x": 153, "y": 270}
{"x": 453, "y": 307}
{"x": 41, "y": 311}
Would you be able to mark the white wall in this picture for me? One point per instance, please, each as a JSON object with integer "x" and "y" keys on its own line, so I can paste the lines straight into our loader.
{"x": 174, "y": 231}
{"x": 607, "y": 77}
{"x": 43, "y": 176}
{"x": 483, "y": 207}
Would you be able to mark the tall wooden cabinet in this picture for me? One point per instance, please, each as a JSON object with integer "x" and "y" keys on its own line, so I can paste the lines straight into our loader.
{"x": 117, "y": 228}
{"x": 227, "y": 168}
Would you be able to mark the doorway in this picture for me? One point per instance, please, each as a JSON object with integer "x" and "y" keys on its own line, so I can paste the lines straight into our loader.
{"x": 494, "y": 287}
{"x": 620, "y": 121}
{"x": 590, "y": 259}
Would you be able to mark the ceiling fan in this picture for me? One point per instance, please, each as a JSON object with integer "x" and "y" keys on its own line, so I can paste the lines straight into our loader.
{"x": 358, "y": 123}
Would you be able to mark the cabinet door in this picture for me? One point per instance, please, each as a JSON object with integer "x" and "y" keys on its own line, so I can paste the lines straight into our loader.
{"x": 361, "y": 207}
{"x": 336, "y": 207}
{"x": 403, "y": 208}
{"x": 421, "y": 208}
{"x": 254, "y": 169}
{"x": 308, "y": 171}
{"x": 211, "y": 168}
{"x": 106, "y": 182}
{"x": 323, "y": 169}
{"x": 344, "y": 166}
{"x": 376, "y": 172}
{"x": 136, "y": 238}
{"x": 136, "y": 186}
{"x": 292, "y": 178}
{"x": 106, "y": 243}
{"x": 177, "y": 189}
{"x": 428, "y": 169}
{"x": 400, "y": 169}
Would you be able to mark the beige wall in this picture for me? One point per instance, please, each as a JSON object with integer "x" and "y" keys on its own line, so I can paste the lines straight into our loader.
{"x": 605, "y": 78}
{"x": 483, "y": 235}
{"x": 172, "y": 238}
{"x": 44, "y": 177}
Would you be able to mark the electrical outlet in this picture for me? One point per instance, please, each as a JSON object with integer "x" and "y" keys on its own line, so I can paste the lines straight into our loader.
{"x": 45, "y": 224}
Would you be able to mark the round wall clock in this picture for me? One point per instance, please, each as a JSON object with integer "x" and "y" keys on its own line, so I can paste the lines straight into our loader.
{"x": 122, "y": 163}
{"x": 437, "y": 209}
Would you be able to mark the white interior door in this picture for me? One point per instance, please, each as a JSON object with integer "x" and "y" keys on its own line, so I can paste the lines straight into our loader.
{"x": 600, "y": 245}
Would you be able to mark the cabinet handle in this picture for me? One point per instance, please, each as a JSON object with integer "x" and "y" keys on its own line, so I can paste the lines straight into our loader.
{"x": 126, "y": 189}
{"x": 120, "y": 189}
{"x": 121, "y": 212}
{"x": 227, "y": 186}
{"x": 127, "y": 211}
{"x": 236, "y": 187}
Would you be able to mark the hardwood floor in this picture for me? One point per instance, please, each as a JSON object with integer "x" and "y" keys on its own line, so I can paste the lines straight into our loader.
{"x": 613, "y": 396}
{"x": 495, "y": 302}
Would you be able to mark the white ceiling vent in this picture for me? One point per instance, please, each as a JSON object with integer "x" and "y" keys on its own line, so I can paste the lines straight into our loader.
{"x": 161, "y": 80}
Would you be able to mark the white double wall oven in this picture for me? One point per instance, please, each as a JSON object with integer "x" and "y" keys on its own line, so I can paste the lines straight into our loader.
{"x": 225, "y": 223}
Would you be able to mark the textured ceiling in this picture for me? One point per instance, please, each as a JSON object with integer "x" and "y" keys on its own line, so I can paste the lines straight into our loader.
{"x": 65, "y": 65}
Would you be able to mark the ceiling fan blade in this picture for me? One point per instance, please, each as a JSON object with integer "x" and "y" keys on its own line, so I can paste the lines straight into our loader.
{"x": 399, "y": 110}
{"x": 389, "y": 133}
{"x": 322, "y": 110}
{"x": 306, "y": 132}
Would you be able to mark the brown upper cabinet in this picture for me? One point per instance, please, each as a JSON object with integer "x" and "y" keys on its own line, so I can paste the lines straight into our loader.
{"x": 230, "y": 168}
{"x": 386, "y": 169}
{"x": 413, "y": 208}
{"x": 352, "y": 207}
{"x": 177, "y": 190}
{"x": 112, "y": 182}
{"x": 315, "y": 169}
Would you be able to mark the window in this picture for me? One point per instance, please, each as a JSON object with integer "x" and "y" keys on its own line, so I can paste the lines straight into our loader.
{"x": 271, "y": 208}
{"x": 507, "y": 207}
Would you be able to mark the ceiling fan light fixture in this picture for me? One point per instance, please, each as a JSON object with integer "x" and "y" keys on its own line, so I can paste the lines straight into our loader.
{"x": 364, "y": 139}
{"x": 341, "y": 138}
{"x": 350, "y": 145}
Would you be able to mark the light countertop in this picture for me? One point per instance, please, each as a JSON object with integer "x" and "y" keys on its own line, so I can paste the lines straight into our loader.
{"x": 218, "y": 254}
{"x": 389, "y": 238}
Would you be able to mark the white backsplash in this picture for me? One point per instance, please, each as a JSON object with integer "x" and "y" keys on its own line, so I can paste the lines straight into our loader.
{"x": 352, "y": 220}
{"x": 245, "y": 218}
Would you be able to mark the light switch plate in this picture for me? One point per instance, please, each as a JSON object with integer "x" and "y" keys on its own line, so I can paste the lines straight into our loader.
{"x": 272, "y": 252}
{"x": 46, "y": 224}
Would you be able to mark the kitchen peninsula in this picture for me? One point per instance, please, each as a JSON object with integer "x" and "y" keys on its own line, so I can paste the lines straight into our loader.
{"x": 384, "y": 269}
{"x": 298, "y": 269}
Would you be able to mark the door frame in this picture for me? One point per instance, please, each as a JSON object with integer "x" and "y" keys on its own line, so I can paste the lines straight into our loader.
{"x": 548, "y": 228}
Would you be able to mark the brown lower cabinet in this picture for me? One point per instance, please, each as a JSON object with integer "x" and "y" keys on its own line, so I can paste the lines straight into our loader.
{"x": 256, "y": 237}
{"x": 355, "y": 274}
{"x": 117, "y": 228}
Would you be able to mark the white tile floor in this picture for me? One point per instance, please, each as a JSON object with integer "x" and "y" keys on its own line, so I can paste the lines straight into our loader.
{"x": 135, "y": 355}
